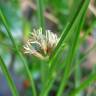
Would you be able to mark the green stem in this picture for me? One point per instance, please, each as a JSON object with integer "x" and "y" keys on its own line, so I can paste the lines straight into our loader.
{"x": 19, "y": 54}
{"x": 8, "y": 77}
{"x": 77, "y": 73}
{"x": 73, "y": 49}
{"x": 85, "y": 84}
{"x": 40, "y": 6}
{"x": 28, "y": 74}
{"x": 64, "y": 34}
{"x": 41, "y": 19}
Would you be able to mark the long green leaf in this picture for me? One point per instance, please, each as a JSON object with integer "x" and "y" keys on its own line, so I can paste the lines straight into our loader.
{"x": 40, "y": 12}
{"x": 85, "y": 84}
{"x": 64, "y": 34}
{"x": 41, "y": 20}
{"x": 73, "y": 48}
{"x": 8, "y": 77}
{"x": 77, "y": 73}
{"x": 72, "y": 25}
{"x": 19, "y": 53}
{"x": 63, "y": 37}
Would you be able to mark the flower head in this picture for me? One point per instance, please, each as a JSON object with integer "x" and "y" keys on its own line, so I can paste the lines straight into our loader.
{"x": 41, "y": 45}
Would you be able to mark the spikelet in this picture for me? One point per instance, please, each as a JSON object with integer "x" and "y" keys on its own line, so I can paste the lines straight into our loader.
{"x": 41, "y": 45}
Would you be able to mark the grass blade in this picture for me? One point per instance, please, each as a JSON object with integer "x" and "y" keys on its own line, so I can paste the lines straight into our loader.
{"x": 8, "y": 77}
{"x": 77, "y": 73}
{"x": 68, "y": 30}
{"x": 19, "y": 54}
{"x": 73, "y": 48}
{"x": 41, "y": 19}
{"x": 85, "y": 84}
{"x": 40, "y": 12}
{"x": 64, "y": 34}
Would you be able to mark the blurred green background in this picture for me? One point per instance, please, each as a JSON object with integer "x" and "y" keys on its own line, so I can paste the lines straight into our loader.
{"x": 22, "y": 17}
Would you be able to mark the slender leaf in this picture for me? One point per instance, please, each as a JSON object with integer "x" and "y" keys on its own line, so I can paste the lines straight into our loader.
{"x": 85, "y": 84}
{"x": 69, "y": 29}
{"x": 77, "y": 73}
{"x": 8, "y": 77}
{"x": 19, "y": 53}
{"x": 73, "y": 48}
{"x": 41, "y": 19}
{"x": 40, "y": 12}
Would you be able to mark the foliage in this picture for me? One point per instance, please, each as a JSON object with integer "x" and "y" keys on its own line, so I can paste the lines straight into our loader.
{"x": 53, "y": 73}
